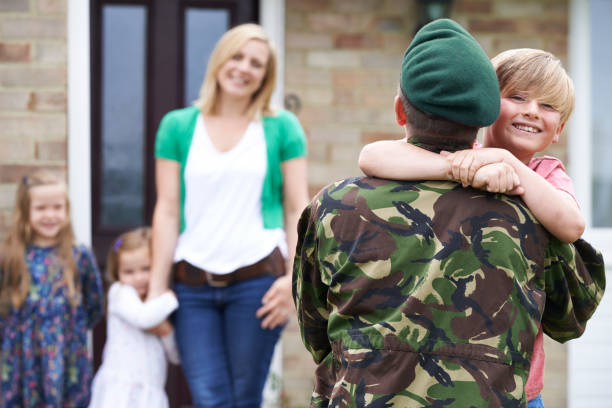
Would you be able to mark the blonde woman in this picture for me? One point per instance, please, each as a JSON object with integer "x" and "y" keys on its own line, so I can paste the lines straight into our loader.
{"x": 231, "y": 184}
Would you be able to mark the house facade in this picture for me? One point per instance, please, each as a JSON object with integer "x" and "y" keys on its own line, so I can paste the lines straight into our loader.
{"x": 83, "y": 84}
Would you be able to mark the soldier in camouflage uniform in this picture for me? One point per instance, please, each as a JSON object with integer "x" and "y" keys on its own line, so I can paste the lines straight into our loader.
{"x": 427, "y": 294}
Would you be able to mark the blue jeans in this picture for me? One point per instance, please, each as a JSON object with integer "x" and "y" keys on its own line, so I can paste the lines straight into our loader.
{"x": 536, "y": 402}
{"x": 224, "y": 352}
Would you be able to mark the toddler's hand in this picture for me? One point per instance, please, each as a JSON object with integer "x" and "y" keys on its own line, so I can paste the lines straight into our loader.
{"x": 162, "y": 329}
{"x": 497, "y": 178}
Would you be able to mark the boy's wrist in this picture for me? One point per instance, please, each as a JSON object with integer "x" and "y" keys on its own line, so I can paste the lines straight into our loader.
{"x": 506, "y": 156}
{"x": 446, "y": 166}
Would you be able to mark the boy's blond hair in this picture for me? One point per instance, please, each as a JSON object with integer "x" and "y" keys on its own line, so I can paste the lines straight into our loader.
{"x": 538, "y": 72}
{"x": 230, "y": 43}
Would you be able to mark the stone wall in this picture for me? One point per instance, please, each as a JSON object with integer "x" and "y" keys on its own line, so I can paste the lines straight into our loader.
{"x": 342, "y": 64}
{"x": 32, "y": 92}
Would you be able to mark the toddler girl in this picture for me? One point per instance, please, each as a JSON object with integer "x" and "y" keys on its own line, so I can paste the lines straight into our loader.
{"x": 50, "y": 294}
{"x": 133, "y": 371}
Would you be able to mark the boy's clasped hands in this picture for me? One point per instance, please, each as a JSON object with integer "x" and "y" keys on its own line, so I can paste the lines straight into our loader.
{"x": 484, "y": 169}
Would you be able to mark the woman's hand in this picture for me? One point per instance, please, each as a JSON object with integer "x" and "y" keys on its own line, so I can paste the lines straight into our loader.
{"x": 162, "y": 329}
{"x": 277, "y": 303}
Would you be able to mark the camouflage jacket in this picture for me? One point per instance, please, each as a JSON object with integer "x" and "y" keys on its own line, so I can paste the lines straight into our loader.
{"x": 426, "y": 294}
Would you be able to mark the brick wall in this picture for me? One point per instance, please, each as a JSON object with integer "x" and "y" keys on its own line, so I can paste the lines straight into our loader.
{"x": 342, "y": 62}
{"x": 32, "y": 92}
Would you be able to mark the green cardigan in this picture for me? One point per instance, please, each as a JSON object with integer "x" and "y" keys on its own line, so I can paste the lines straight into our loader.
{"x": 284, "y": 137}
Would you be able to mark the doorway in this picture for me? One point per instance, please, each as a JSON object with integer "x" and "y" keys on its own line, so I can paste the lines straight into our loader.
{"x": 147, "y": 57}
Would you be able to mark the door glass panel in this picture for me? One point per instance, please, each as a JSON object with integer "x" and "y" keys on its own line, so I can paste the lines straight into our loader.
{"x": 203, "y": 28}
{"x": 123, "y": 110}
{"x": 601, "y": 91}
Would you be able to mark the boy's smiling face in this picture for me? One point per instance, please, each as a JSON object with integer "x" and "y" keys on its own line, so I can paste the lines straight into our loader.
{"x": 525, "y": 126}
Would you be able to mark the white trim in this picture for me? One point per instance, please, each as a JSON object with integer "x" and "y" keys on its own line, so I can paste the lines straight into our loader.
{"x": 589, "y": 357}
{"x": 580, "y": 123}
{"x": 272, "y": 16}
{"x": 580, "y": 142}
{"x": 79, "y": 158}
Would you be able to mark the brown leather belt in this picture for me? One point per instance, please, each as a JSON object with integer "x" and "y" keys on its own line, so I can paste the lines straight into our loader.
{"x": 273, "y": 265}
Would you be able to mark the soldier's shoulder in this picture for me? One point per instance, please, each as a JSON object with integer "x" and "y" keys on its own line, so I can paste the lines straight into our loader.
{"x": 336, "y": 187}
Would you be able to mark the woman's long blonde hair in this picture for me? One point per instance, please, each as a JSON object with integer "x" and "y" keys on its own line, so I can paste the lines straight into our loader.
{"x": 14, "y": 274}
{"x": 228, "y": 45}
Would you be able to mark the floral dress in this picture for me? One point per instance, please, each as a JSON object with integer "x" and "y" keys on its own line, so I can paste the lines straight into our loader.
{"x": 44, "y": 357}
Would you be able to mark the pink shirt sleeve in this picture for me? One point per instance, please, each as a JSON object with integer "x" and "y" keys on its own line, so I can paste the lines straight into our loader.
{"x": 553, "y": 171}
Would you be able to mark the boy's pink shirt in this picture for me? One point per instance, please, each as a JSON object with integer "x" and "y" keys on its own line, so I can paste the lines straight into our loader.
{"x": 553, "y": 171}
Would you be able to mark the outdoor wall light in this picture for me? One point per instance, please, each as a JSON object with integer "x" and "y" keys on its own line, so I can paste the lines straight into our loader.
{"x": 430, "y": 10}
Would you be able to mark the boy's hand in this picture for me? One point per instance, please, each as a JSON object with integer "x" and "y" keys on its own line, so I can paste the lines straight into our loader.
{"x": 162, "y": 329}
{"x": 497, "y": 178}
{"x": 463, "y": 164}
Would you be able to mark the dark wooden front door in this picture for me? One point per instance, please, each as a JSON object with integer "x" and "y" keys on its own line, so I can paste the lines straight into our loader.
{"x": 147, "y": 58}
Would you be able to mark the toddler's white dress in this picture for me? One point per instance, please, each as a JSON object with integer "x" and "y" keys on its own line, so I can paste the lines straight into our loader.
{"x": 134, "y": 367}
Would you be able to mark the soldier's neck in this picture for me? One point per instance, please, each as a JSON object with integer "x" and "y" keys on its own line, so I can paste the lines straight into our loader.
{"x": 437, "y": 143}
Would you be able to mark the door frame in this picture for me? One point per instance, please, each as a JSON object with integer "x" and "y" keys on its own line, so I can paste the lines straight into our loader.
{"x": 272, "y": 15}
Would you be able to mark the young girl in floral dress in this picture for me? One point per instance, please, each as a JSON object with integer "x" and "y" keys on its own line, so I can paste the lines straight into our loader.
{"x": 133, "y": 371}
{"x": 50, "y": 295}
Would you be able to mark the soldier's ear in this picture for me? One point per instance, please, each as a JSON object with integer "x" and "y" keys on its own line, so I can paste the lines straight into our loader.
{"x": 400, "y": 116}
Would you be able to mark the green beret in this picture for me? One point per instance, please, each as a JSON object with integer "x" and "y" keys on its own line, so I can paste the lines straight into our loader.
{"x": 446, "y": 73}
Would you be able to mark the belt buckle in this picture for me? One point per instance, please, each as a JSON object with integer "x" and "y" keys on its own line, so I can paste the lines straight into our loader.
{"x": 212, "y": 282}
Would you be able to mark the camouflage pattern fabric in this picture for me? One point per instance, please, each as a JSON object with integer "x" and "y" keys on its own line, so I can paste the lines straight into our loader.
{"x": 427, "y": 294}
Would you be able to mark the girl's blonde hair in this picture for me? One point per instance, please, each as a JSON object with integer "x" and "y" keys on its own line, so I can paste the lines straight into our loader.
{"x": 15, "y": 278}
{"x": 228, "y": 45}
{"x": 127, "y": 241}
{"x": 538, "y": 72}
